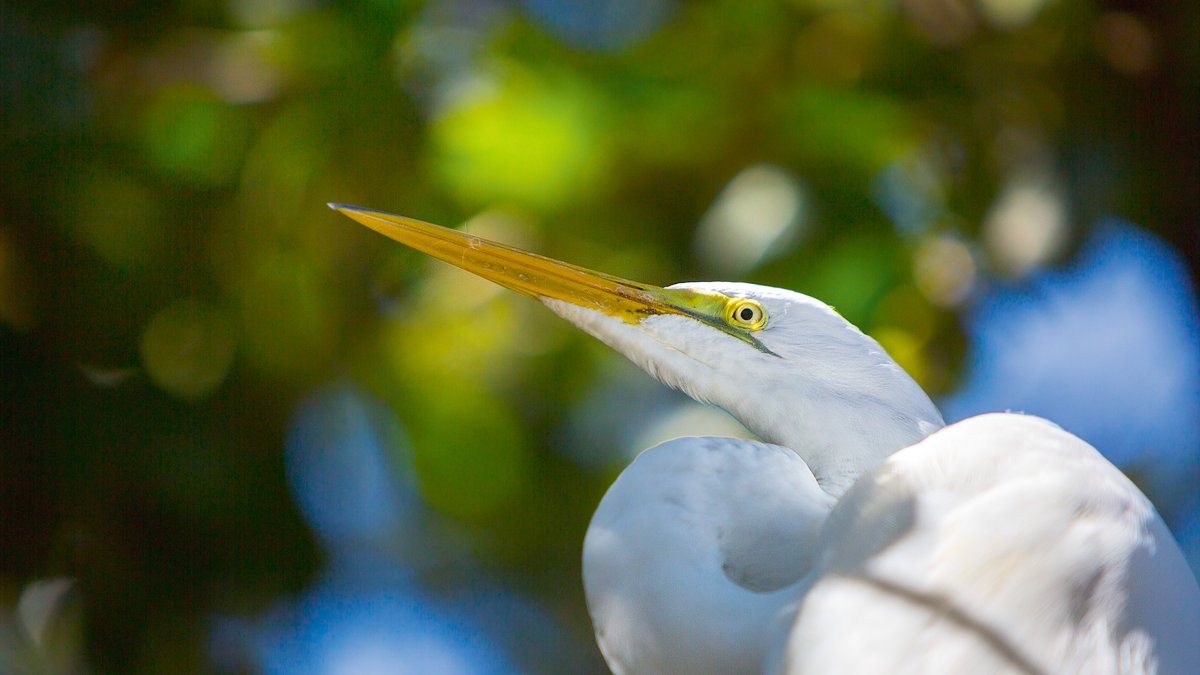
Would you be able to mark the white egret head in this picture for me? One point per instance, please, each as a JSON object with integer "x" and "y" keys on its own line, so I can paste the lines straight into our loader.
{"x": 788, "y": 366}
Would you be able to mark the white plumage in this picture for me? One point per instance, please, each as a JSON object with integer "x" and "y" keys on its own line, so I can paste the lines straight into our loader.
{"x": 1001, "y": 544}
{"x": 697, "y": 552}
{"x": 862, "y": 537}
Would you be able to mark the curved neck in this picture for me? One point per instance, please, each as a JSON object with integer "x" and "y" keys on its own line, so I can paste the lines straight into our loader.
{"x": 698, "y": 553}
{"x": 839, "y": 435}
{"x": 843, "y": 407}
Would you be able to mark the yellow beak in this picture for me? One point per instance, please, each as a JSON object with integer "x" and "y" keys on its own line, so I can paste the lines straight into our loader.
{"x": 529, "y": 273}
{"x": 541, "y": 277}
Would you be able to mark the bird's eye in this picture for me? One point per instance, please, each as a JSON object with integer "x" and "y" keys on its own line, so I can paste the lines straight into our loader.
{"x": 745, "y": 313}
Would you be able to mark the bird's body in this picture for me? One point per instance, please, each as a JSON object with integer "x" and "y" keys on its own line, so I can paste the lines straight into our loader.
{"x": 1037, "y": 556}
{"x": 864, "y": 537}
{"x": 1001, "y": 544}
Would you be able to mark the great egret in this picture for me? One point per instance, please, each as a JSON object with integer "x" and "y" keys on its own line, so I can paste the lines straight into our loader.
{"x": 863, "y": 537}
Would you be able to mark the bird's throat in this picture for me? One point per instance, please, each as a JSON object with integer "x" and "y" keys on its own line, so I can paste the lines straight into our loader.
{"x": 840, "y": 437}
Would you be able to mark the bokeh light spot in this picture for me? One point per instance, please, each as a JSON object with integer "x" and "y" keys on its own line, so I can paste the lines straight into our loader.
{"x": 944, "y": 269}
{"x": 758, "y": 215}
{"x": 1127, "y": 43}
{"x": 117, "y": 216}
{"x": 520, "y": 140}
{"x": 45, "y": 633}
{"x": 191, "y": 134}
{"x": 911, "y": 191}
{"x": 260, "y": 13}
{"x": 942, "y": 22}
{"x": 1027, "y": 225}
{"x": 339, "y": 457}
{"x": 1009, "y": 14}
{"x": 391, "y": 628}
{"x": 481, "y": 346}
{"x": 187, "y": 348}
{"x": 290, "y": 322}
{"x": 599, "y": 24}
{"x": 840, "y": 46}
{"x": 241, "y": 70}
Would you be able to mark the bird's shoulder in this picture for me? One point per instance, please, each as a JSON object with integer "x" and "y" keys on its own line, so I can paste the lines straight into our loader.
{"x": 1019, "y": 539}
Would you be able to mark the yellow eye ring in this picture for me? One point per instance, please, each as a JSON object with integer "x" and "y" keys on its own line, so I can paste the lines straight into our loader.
{"x": 745, "y": 313}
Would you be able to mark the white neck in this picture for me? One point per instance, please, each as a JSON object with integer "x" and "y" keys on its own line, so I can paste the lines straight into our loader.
{"x": 843, "y": 409}
{"x": 842, "y": 434}
{"x": 673, "y": 561}
{"x": 701, "y": 547}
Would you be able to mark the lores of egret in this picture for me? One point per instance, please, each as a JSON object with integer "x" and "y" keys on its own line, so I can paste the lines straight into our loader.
{"x": 863, "y": 537}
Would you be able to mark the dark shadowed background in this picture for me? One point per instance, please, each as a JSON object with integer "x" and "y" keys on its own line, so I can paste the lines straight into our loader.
{"x": 241, "y": 433}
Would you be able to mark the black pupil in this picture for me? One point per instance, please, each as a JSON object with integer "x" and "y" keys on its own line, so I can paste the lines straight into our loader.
{"x": 747, "y": 314}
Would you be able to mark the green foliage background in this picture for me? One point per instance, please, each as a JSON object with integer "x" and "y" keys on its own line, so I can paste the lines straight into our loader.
{"x": 172, "y": 284}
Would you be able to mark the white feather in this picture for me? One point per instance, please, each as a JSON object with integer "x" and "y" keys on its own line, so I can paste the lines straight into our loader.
{"x": 999, "y": 544}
